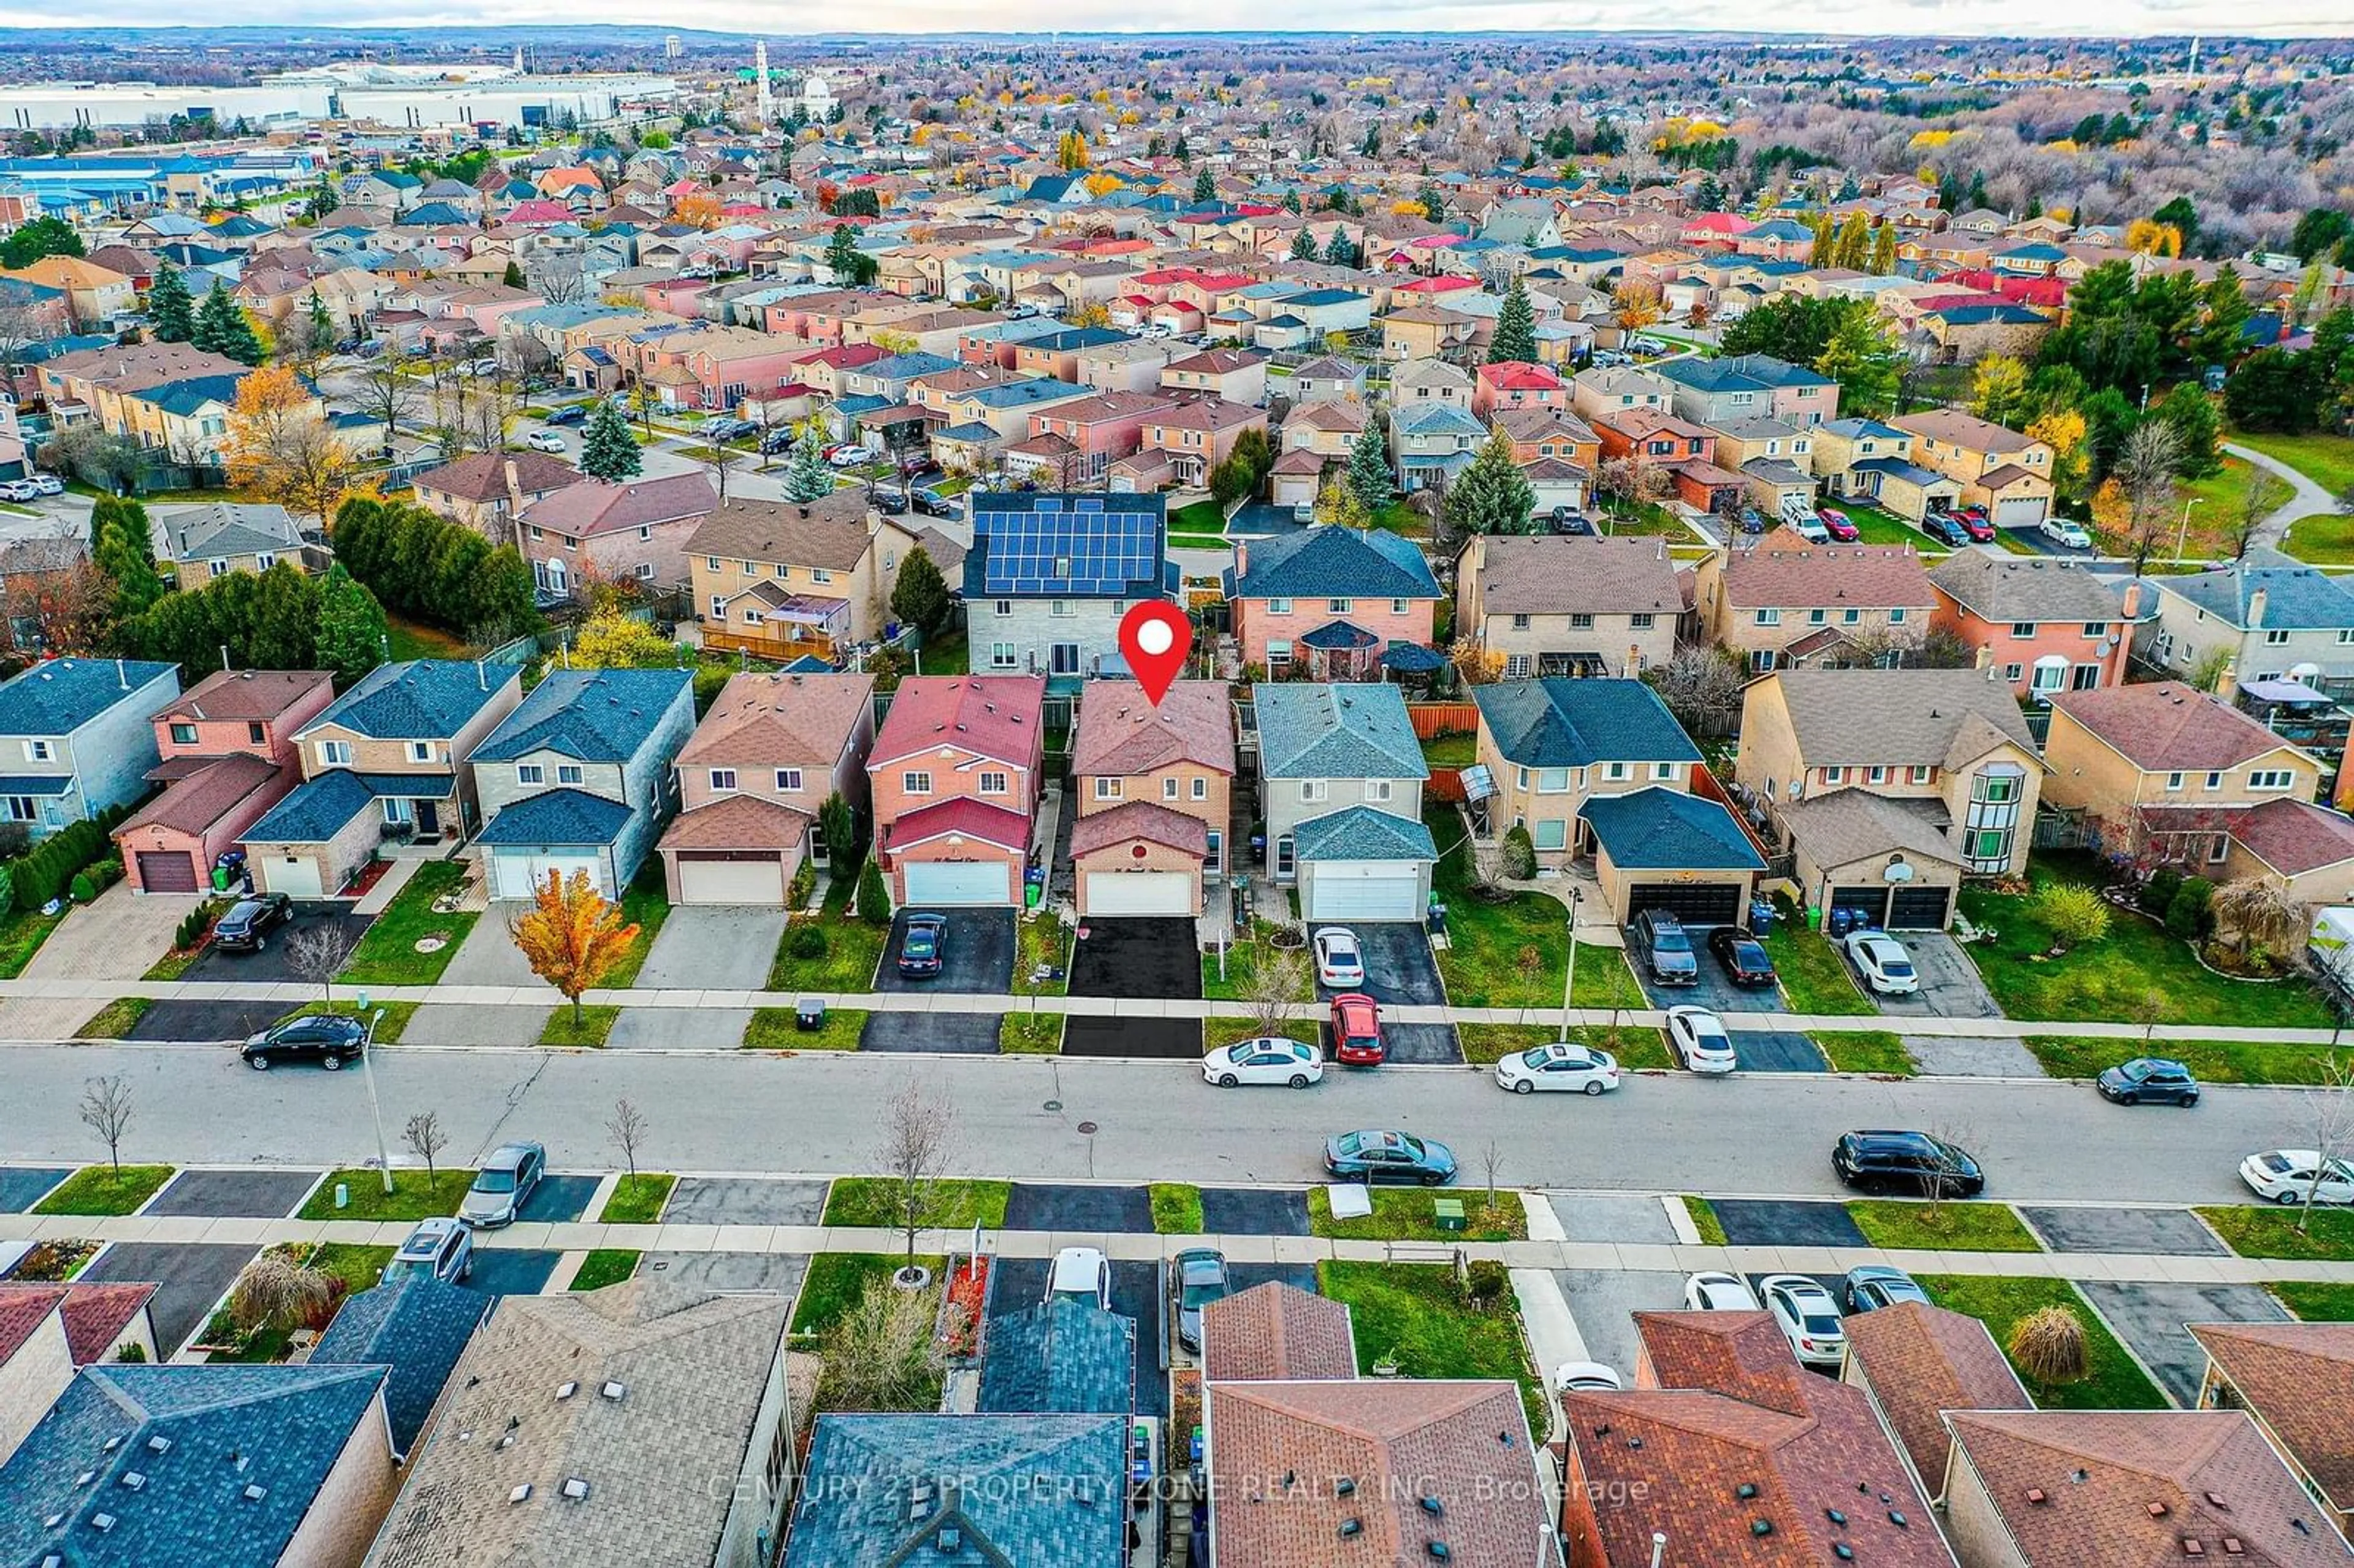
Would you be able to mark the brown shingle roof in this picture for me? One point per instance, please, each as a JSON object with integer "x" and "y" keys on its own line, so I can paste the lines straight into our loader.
{"x": 2294, "y": 837}
{"x": 830, "y": 532}
{"x": 592, "y": 506}
{"x": 1922, "y": 1361}
{"x": 1997, "y": 585}
{"x": 1900, "y": 718}
{"x": 1277, "y": 1331}
{"x": 1121, "y": 734}
{"x": 200, "y": 799}
{"x": 2126, "y": 1489}
{"x": 2298, "y": 1379}
{"x": 737, "y": 821}
{"x": 780, "y": 721}
{"x": 483, "y": 476}
{"x": 93, "y": 1315}
{"x": 245, "y": 694}
{"x": 1141, "y": 819}
{"x": 2166, "y": 726}
{"x": 1777, "y": 575}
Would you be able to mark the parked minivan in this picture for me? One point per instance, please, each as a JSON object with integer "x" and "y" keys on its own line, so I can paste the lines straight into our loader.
{"x": 1666, "y": 947}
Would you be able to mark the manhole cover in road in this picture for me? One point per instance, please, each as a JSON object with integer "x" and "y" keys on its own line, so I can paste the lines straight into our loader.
{"x": 1087, "y": 1128}
{"x": 1053, "y": 1105}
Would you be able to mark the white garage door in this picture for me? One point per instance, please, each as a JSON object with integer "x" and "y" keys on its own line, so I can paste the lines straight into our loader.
{"x": 521, "y": 876}
{"x": 2020, "y": 511}
{"x": 731, "y": 881}
{"x": 1362, "y": 890}
{"x": 952, "y": 882}
{"x": 294, "y": 876}
{"x": 1139, "y": 893}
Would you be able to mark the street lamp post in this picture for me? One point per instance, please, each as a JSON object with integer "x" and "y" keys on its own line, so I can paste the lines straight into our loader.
{"x": 2183, "y": 534}
{"x": 375, "y": 1108}
{"x": 1569, "y": 980}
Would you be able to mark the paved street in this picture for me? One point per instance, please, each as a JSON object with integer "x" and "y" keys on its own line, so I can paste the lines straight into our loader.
{"x": 1021, "y": 1118}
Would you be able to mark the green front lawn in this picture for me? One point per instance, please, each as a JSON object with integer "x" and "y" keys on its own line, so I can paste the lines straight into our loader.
{"x": 1400, "y": 517}
{"x": 388, "y": 954}
{"x": 116, "y": 1019}
{"x": 581, "y": 1027}
{"x": 1513, "y": 954}
{"x": 1197, "y": 541}
{"x": 2270, "y": 1231}
{"x": 2222, "y": 496}
{"x": 1950, "y": 1227}
{"x": 2112, "y": 1382}
{"x": 1042, "y": 943}
{"x": 1414, "y": 1317}
{"x": 1866, "y": 1051}
{"x": 1876, "y": 526}
{"x": 778, "y": 1029}
{"x": 837, "y": 1279}
{"x": 1402, "y": 1213}
{"x": 1176, "y": 1208}
{"x": 412, "y": 1196}
{"x": 852, "y": 947}
{"x": 1201, "y": 517}
{"x": 645, "y": 904}
{"x": 101, "y": 1190}
{"x": 2327, "y": 461}
{"x": 352, "y": 1266}
{"x": 1703, "y": 1213}
{"x": 869, "y": 1202}
{"x": 397, "y": 1015}
{"x": 2213, "y": 1061}
{"x": 1217, "y": 1031}
{"x": 21, "y": 932}
{"x": 1814, "y": 976}
{"x": 2112, "y": 977}
{"x": 1030, "y": 1034}
{"x": 606, "y": 1265}
{"x": 1242, "y": 968}
{"x": 638, "y": 1199}
{"x": 1636, "y": 1049}
{"x": 2316, "y": 1301}
{"x": 2325, "y": 539}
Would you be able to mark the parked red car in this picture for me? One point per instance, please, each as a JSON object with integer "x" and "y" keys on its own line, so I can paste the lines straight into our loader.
{"x": 1356, "y": 1030}
{"x": 1835, "y": 523}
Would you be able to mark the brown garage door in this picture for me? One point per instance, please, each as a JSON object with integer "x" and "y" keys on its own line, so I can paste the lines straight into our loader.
{"x": 168, "y": 871}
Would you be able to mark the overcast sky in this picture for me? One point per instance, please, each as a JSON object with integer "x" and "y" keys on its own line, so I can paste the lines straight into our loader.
{"x": 2276, "y": 18}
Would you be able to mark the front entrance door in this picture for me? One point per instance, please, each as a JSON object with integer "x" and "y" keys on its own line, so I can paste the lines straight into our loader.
{"x": 428, "y": 816}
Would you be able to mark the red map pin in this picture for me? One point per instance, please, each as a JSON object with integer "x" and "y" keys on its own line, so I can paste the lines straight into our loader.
{"x": 1154, "y": 637}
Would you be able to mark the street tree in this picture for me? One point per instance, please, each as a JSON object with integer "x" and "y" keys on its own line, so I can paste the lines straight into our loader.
{"x": 571, "y": 935}
{"x": 426, "y": 1140}
{"x": 914, "y": 1150}
{"x": 106, "y": 1110}
{"x": 1278, "y": 979}
{"x": 627, "y": 1128}
{"x": 318, "y": 952}
{"x": 2330, "y": 1111}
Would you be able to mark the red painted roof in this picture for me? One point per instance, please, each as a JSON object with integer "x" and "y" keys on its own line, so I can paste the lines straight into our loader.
{"x": 1435, "y": 286}
{"x": 994, "y": 716}
{"x": 1519, "y": 375}
{"x": 971, "y": 819}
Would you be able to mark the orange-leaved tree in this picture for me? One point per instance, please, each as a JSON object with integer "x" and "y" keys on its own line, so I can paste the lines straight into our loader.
{"x": 280, "y": 445}
{"x": 571, "y": 935}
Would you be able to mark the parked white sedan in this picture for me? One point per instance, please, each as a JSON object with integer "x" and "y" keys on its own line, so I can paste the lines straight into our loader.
{"x": 1807, "y": 1318}
{"x": 544, "y": 441}
{"x": 2283, "y": 1175}
{"x": 1884, "y": 964}
{"x": 1700, "y": 1041}
{"x": 2067, "y": 532}
{"x": 1713, "y": 1291}
{"x": 1269, "y": 1059}
{"x": 1558, "y": 1067}
{"x": 1340, "y": 961}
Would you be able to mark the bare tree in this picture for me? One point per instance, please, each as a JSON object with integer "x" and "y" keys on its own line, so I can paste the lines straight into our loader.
{"x": 1278, "y": 979}
{"x": 2144, "y": 476}
{"x": 725, "y": 456}
{"x": 1491, "y": 1160}
{"x": 2241, "y": 528}
{"x": 426, "y": 1140}
{"x": 628, "y": 1129}
{"x": 557, "y": 278}
{"x": 1702, "y": 687}
{"x": 278, "y": 1291}
{"x": 882, "y": 1354}
{"x": 1955, "y": 1149}
{"x": 2329, "y": 1104}
{"x": 106, "y": 1110}
{"x": 919, "y": 1131}
{"x": 318, "y": 952}
{"x": 386, "y": 393}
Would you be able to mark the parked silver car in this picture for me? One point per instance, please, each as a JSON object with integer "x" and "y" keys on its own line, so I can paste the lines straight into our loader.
{"x": 503, "y": 1185}
{"x": 437, "y": 1248}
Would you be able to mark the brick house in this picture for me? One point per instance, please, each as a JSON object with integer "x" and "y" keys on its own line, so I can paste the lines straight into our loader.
{"x": 954, "y": 778}
{"x": 1330, "y": 599}
{"x": 1153, "y": 784}
{"x": 1565, "y": 605}
{"x": 632, "y": 532}
{"x": 752, "y": 778}
{"x": 1073, "y": 444}
{"x": 1999, "y": 469}
{"x": 227, "y": 753}
{"x": 1184, "y": 444}
{"x": 2047, "y": 625}
{"x": 1514, "y": 384}
{"x": 1786, "y": 601}
{"x": 487, "y": 490}
{"x": 782, "y": 579}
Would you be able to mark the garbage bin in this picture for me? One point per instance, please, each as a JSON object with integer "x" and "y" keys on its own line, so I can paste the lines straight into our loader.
{"x": 221, "y": 879}
{"x": 1761, "y": 917}
{"x": 808, "y": 1016}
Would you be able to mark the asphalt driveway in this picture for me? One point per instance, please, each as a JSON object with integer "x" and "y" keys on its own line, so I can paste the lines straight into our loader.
{"x": 21, "y": 1186}
{"x": 1759, "y": 1050}
{"x": 1420, "y": 1044}
{"x": 476, "y": 1024}
{"x": 953, "y": 1033}
{"x": 1400, "y": 969}
{"x": 2150, "y": 1318}
{"x": 980, "y": 956}
{"x": 1164, "y": 1039}
{"x": 235, "y": 1194}
{"x": 274, "y": 963}
{"x": 190, "y": 1279}
{"x": 713, "y": 947}
{"x": 1135, "y": 1294}
{"x": 512, "y": 1270}
{"x": 1603, "y": 1302}
{"x": 1075, "y": 1209}
{"x": 214, "y": 1018}
{"x": 1612, "y": 1217}
{"x": 1769, "y": 1222}
{"x": 558, "y": 1200}
{"x": 1254, "y": 1212}
{"x": 2171, "y": 1233}
{"x": 771, "y": 1273}
{"x": 744, "y": 1201}
{"x": 1142, "y": 958}
{"x": 1950, "y": 984}
{"x": 679, "y": 1027}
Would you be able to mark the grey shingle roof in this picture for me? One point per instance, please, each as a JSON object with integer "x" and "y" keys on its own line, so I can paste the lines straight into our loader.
{"x": 1999, "y": 586}
{"x": 1667, "y": 830}
{"x": 1556, "y": 721}
{"x": 2297, "y": 597}
{"x": 1333, "y": 562}
{"x": 417, "y": 1327}
{"x": 1336, "y": 730}
{"x": 1898, "y": 717}
{"x": 59, "y": 695}
{"x": 229, "y": 528}
{"x": 1061, "y": 1357}
{"x": 596, "y": 716}
{"x": 1849, "y": 825}
{"x": 421, "y": 699}
{"x": 565, "y": 817}
{"x": 1362, "y": 832}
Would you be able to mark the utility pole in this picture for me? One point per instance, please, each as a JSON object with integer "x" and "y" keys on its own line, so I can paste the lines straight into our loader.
{"x": 1569, "y": 980}
{"x": 375, "y": 1108}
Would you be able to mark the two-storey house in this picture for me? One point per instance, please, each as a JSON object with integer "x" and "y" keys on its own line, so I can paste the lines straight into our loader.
{"x": 1619, "y": 389}
{"x": 954, "y": 778}
{"x": 752, "y": 778}
{"x": 1154, "y": 785}
{"x": 1340, "y": 785}
{"x": 578, "y": 778}
{"x": 1183, "y": 442}
{"x": 487, "y": 490}
{"x": 782, "y": 579}
{"x": 1074, "y": 444}
{"x": 1332, "y": 600}
{"x": 1888, "y": 786}
{"x": 2265, "y": 616}
{"x": 1999, "y": 469}
{"x": 1749, "y": 385}
{"x": 1565, "y": 605}
{"x": 592, "y": 531}
{"x": 1516, "y": 384}
{"x": 77, "y": 734}
{"x": 1867, "y": 461}
{"x": 1049, "y": 576}
{"x": 212, "y": 541}
{"x": 227, "y": 753}
{"x": 387, "y": 761}
{"x": 1783, "y": 601}
{"x": 2046, "y": 624}
{"x": 1432, "y": 441}
{"x": 1429, "y": 381}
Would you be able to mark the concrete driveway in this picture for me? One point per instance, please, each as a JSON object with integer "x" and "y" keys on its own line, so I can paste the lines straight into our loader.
{"x": 745, "y": 1201}
{"x": 2169, "y": 1233}
{"x": 1400, "y": 969}
{"x": 489, "y": 955}
{"x": 679, "y": 1029}
{"x": 769, "y": 1273}
{"x": 980, "y": 955}
{"x": 469, "y": 1023}
{"x": 1950, "y": 985}
{"x": 1603, "y": 1303}
{"x": 714, "y": 947}
{"x": 118, "y": 937}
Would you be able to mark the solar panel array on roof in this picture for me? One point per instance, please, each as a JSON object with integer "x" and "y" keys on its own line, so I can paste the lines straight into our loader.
{"x": 1073, "y": 544}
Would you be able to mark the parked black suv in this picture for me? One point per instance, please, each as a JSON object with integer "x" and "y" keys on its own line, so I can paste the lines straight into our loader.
{"x": 245, "y": 928}
{"x": 1892, "y": 1161}
{"x": 329, "y": 1040}
{"x": 1666, "y": 947}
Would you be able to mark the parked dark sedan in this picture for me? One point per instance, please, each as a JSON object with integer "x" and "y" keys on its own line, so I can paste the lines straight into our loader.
{"x": 1744, "y": 957}
{"x": 890, "y": 503}
{"x": 1202, "y": 1278}
{"x": 571, "y": 414}
{"x": 2147, "y": 1080}
{"x": 924, "y": 947}
{"x": 1893, "y": 1161}
{"x": 329, "y": 1040}
{"x": 1945, "y": 529}
{"x": 1378, "y": 1154}
{"x": 246, "y": 928}
{"x": 932, "y": 503}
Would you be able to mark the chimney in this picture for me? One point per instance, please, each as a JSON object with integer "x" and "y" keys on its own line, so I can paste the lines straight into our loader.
{"x": 515, "y": 489}
{"x": 2227, "y": 682}
{"x": 2133, "y": 601}
{"x": 481, "y": 679}
{"x": 1242, "y": 561}
{"x": 2257, "y": 603}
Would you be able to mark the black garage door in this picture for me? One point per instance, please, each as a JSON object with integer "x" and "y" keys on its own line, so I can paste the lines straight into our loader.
{"x": 1868, "y": 900}
{"x": 1919, "y": 908}
{"x": 1693, "y": 903}
{"x": 168, "y": 871}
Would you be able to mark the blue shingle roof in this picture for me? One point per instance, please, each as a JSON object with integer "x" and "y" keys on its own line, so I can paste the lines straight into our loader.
{"x": 59, "y": 695}
{"x": 36, "y": 784}
{"x": 417, "y": 1327}
{"x": 1332, "y": 561}
{"x": 1667, "y": 830}
{"x": 981, "y": 1470}
{"x": 560, "y": 818}
{"x": 1558, "y": 721}
{"x": 424, "y": 699}
{"x": 194, "y": 1503}
{"x": 1362, "y": 832}
{"x": 1062, "y": 1357}
{"x": 596, "y": 716}
{"x": 1336, "y": 730}
{"x": 1432, "y": 417}
{"x": 314, "y": 810}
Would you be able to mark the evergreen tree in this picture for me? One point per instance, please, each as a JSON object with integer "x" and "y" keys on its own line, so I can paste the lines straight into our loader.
{"x": 1303, "y": 245}
{"x": 1516, "y": 329}
{"x": 1433, "y": 200}
{"x": 920, "y": 597}
{"x": 1493, "y": 496}
{"x": 125, "y": 551}
{"x": 1883, "y": 249}
{"x": 607, "y": 449}
{"x": 2220, "y": 335}
{"x": 512, "y": 276}
{"x": 169, "y": 309}
{"x": 221, "y": 328}
{"x": 808, "y": 478}
{"x": 1182, "y": 153}
{"x": 1291, "y": 202}
{"x": 1205, "y": 188}
{"x": 849, "y": 264}
{"x": 2191, "y": 414}
{"x": 1863, "y": 359}
{"x": 1339, "y": 252}
{"x": 1854, "y": 243}
{"x": 1368, "y": 474}
{"x": 322, "y": 325}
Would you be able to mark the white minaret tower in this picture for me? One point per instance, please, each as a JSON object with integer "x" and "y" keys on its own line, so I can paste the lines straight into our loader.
{"x": 760, "y": 78}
